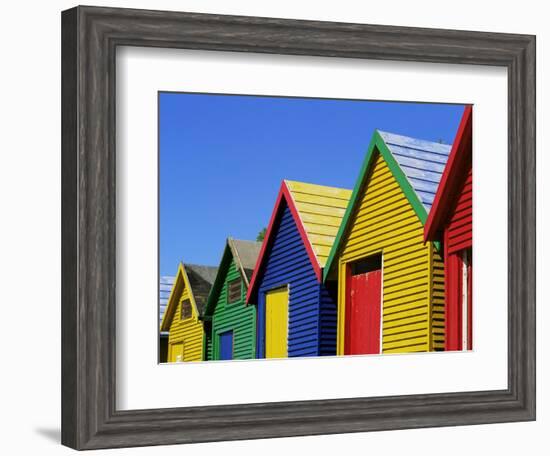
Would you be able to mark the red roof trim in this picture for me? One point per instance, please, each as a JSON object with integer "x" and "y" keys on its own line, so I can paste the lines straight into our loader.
{"x": 459, "y": 158}
{"x": 284, "y": 193}
{"x": 302, "y": 229}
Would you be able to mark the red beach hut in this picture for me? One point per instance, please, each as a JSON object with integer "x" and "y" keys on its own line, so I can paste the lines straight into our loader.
{"x": 450, "y": 221}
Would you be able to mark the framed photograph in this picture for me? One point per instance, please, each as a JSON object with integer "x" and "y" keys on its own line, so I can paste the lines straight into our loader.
{"x": 279, "y": 228}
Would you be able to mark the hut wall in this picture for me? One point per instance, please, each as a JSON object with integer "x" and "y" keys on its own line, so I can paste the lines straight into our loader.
{"x": 386, "y": 223}
{"x": 189, "y": 331}
{"x": 438, "y": 301}
{"x": 288, "y": 263}
{"x": 458, "y": 234}
{"x": 457, "y": 237}
{"x": 234, "y": 316}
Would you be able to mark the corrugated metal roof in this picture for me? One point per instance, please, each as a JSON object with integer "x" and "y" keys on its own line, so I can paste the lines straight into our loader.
{"x": 422, "y": 163}
{"x": 321, "y": 210}
{"x": 165, "y": 287}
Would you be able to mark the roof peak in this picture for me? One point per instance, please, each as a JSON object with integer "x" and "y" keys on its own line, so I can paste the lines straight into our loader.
{"x": 417, "y": 165}
{"x": 422, "y": 162}
{"x": 437, "y": 147}
{"x": 232, "y": 239}
{"x": 290, "y": 182}
{"x": 460, "y": 156}
{"x": 407, "y": 136}
{"x": 317, "y": 211}
{"x": 244, "y": 253}
{"x": 187, "y": 263}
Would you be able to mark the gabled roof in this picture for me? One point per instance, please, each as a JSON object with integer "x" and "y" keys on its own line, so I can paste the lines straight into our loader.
{"x": 417, "y": 166}
{"x": 320, "y": 210}
{"x": 165, "y": 286}
{"x": 317, "y": 211}
{"x": 421, "y": 161}
{"x": 201, "y": 279}
{"x": 245, "y": 254}
{"x": 459, "y": 162}
{"x": 198, "y": 280}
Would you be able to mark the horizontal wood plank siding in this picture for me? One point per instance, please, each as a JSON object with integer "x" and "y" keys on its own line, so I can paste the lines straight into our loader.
{"x": 438, "y": 301}
{"x": 327, "y": 327}
{"x": 208, "y": 343}
{"x": 457, "y": 237}
{"x": 288, "y": 264}
{"x": 459, "y": 228}
{"x": 385, "y": 222}
{"x": 189, "y": 331}
{"x": 234, "y": 317}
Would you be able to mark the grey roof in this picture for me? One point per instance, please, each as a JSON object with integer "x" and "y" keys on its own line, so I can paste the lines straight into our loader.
{"x": 422, "y": 162}
{"x": 201, "y": 279}
{"x": 245, "y": 254}
{"x": 165, "y": 287}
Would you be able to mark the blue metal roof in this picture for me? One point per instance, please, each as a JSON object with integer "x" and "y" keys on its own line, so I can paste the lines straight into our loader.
{"x": 422, "y": 162}
{"x": 166, "y": 283}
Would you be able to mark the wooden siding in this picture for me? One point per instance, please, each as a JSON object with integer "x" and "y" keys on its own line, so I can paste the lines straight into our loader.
{"x": 189, "y": 331}
{"x": 385, "y": 222}
{"x": 236, "y": 317}
{"x": 320, "y": 209}
{"x": 327, "y": 321}
{"x": 288, "y": 263}
{"x": 438, "y": 301}
{"x": 457, "y": 237}
{"x": 208, "y": 348}
{"x": 452, "y": 180}
{"x": 458, "y": 234}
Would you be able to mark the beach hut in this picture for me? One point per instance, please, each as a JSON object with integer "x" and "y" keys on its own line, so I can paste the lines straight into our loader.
{"x": 390, "y": 282}
{"x": 229, "y": 324}
{"x": 165, "y": 286}
{"x": 450, "y": 221}
{"x": 296, "y": 312}
{"x": 182, "y": 318}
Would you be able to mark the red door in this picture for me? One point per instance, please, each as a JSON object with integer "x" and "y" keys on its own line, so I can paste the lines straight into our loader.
{"x": 364, "y": 302}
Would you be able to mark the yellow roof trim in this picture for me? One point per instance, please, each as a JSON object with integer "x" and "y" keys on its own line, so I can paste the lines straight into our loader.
{"x": 181, "y": 282}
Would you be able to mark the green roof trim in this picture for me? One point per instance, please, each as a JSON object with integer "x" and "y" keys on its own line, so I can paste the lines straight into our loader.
{"x": 244, "y": 254}
{"x": 218, "y": 283}
{"x": 376, "y": 144}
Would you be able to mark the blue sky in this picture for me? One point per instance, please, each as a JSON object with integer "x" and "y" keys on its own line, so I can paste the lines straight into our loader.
{"x": 223, "y": 157}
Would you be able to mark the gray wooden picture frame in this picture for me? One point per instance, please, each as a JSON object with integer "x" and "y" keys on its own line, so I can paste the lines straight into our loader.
{"x": 90, "y": 36}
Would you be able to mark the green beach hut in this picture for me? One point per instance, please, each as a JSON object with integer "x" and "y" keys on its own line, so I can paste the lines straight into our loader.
{"x": 230, "y": 324}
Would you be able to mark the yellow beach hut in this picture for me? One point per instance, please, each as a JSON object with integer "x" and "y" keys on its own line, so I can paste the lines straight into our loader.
{"x": 183, "y": 316}
{"x": 390, "y": 282}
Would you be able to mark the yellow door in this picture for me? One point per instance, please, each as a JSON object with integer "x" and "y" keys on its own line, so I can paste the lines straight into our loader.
{"x": 176, "y": 352}
{"x": 276, "y": 323}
